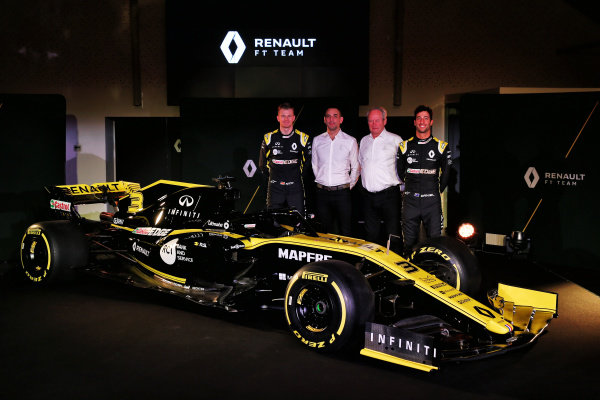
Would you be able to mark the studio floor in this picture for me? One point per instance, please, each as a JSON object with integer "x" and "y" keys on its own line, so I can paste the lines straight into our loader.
{"x": 96, "y": 339}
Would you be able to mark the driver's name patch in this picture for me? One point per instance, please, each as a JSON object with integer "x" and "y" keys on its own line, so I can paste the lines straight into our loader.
{"x": 300, "y": 255}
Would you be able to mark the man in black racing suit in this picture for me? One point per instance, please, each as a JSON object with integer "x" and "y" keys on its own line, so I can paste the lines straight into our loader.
{"x": 419, "y": 162}
{"x": 284, "y": 153}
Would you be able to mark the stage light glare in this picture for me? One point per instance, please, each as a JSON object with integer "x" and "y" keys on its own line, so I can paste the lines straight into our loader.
{"x": 466, "y": 231}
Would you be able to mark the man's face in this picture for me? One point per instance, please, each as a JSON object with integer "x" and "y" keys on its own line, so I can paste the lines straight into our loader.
{"x": 333, "y": 119}
{"x": 286, "y": 118}
{"x": 423, "y": 122}
{"x": 376, "y": 122}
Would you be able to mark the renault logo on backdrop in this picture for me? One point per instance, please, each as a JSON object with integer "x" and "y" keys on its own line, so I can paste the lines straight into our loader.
{"x": 233, "y": 36}
{"x": 266, "y": 47}
{"x": 531, "y": 177}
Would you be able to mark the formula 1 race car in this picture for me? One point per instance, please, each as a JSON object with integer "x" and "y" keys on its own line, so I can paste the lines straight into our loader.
{"x": 336, "y": 292}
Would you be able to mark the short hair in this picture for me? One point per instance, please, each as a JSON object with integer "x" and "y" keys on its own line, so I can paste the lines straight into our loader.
{"x": 422, "y": 108}
{"x": 285, "y": 106}
{"x": 337, "y": 108}
{"x": 382, "y": 110}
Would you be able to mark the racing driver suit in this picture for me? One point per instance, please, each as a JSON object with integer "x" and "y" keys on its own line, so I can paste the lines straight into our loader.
{"x": 419, "y": 163}
{"x": 282, "y": 160}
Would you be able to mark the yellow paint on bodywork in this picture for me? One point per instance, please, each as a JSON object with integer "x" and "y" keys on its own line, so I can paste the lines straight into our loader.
{"x": 400, "y": 361}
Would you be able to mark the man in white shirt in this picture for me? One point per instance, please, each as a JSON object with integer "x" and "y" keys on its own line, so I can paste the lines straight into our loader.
{"x": 336, "y": 169}
{"x": 382, "y": 197}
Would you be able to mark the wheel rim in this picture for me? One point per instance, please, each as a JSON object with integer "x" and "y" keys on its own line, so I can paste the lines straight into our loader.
{"x": 314, "y": 308}
{"x": 442, "y": 271}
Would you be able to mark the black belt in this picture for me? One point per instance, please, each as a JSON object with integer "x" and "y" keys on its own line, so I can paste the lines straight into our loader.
{"x": 332, "y": 188}
{"x": 388, "y": 189}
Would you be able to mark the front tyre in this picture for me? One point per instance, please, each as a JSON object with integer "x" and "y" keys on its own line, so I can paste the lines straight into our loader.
{"x": 50, "y": 249}
{"x": 327, "y": 304}
{"x": 449, "y": 260}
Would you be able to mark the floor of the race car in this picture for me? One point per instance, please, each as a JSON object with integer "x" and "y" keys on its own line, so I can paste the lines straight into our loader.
{"x": 98, "y": 339}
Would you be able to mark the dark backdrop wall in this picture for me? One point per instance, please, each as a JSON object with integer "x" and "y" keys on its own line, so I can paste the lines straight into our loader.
{"x": 32, "y": 156}
{"x": 518, "y": 150}
{"x": 223, "y": 137}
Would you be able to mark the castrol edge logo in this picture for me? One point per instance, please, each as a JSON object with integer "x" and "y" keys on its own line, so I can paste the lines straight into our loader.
{"x": 60, "y": 205}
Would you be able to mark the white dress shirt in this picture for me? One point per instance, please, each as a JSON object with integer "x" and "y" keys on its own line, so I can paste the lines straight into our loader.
{"x": 377, "y": 158}
{"x": 335, "y": 162}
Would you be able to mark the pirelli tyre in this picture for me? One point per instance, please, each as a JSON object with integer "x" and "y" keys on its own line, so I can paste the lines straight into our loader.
{"x": 449, "y": 260}
{"x": 50, "y": 249}
{"x": 327, "y": 305}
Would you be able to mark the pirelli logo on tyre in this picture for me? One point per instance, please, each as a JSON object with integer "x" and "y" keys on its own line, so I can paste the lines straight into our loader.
{"x": 314, "y": 276}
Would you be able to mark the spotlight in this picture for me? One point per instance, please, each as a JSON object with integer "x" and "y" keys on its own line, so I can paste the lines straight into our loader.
{"x": 517, "y": 242}
{"x": 467, "y": 234}
{"x": 466, "y": 231}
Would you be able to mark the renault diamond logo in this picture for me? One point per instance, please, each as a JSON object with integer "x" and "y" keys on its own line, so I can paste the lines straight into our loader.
{"x": 250, "y": 168}
{"x": 233, "y": 36}
{"x": 531, "y": 177}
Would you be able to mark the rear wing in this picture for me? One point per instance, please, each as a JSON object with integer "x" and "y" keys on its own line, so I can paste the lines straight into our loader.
{"x": 63, "y": 197}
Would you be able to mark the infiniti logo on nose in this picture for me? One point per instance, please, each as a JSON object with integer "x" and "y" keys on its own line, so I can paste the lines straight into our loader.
{"x": 233, "y": 36}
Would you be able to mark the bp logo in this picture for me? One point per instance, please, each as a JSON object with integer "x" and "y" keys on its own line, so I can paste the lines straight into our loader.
{"x": 235, "y": 38}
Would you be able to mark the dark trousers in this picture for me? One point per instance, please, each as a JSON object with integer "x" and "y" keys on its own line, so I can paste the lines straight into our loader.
{"x": 288, "y": 195}
{"x": 416, "y": 209}
{"x": 383, "y": 206}
{"x": 332, "y": 206}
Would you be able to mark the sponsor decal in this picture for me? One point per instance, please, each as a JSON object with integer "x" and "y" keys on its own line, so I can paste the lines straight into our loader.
{"x": 96, "y": 188}
{"x": 422, "y": 171}
{"x": 431, "y": 155}
{"x": 285, "y": 162}
{"x": 300, "y": 255}
{"x": 151, "y": 231}
{"x": 401, "y": 343}
{"x": 224, "y": 225}
{"x": 249, "y": 226}
{"x": 183, "y": 213}
{"x": 139, "y": 249}
{"x": 314, "y": 276}
{"x": 168, "y": 252}
{"x": 34, "y": 231}
{"x": 532, "y": 178}
{"x": 60, "y": 205}
{"x": 434, "y": 250}
{"x": 283, "y": 276}
{"x": 118, "y": 221}
{"x": 173, "y": 251}
{"x": 201, "y": 244}
{"x": 310, "y": 343}
{"x": 186, "y": 200}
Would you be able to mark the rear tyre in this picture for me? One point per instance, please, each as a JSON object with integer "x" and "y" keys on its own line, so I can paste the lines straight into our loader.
{"x": 327, "y": 304}
{"x": 449, "y": 260}
{"x": 50, "y": 249}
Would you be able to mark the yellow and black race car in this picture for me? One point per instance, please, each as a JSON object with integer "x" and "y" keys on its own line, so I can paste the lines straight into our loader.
{"x": 336, "y": 292}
